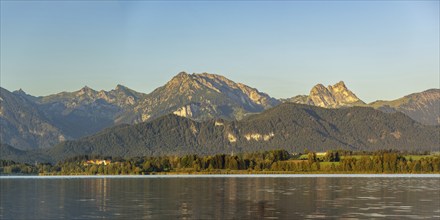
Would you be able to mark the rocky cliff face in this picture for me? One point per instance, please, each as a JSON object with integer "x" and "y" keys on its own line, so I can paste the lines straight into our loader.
{"x": 335, "y": 96}
{"x": 200, "y": 97}
{"x": 423, "y": 107}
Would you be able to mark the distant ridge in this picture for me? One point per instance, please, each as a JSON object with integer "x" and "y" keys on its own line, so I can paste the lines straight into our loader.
{"x": 24, "y": 125}
{"x": 423, "y": 107}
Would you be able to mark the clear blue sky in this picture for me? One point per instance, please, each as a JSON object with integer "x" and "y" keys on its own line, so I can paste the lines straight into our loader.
{"x": 382, "y": 50}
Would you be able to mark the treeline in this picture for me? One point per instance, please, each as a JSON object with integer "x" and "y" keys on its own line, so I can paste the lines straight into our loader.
{"x": 11, "y": 167}
{"x": 274, "y": 161}
{"x": 370, "y": 162}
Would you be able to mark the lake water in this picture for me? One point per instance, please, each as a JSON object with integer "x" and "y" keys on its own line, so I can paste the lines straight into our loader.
{"x": 221, "y": 197}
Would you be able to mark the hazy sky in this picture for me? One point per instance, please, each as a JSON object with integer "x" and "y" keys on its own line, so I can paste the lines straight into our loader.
{"x": 382, "y": 50}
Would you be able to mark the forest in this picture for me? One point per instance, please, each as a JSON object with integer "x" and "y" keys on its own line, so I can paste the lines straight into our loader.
{"x": 273, "y": 161}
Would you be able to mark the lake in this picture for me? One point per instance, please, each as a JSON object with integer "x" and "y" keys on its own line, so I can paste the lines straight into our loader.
{"x": 221, "y": 197}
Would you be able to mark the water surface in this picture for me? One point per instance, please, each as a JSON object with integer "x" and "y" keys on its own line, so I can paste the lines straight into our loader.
{"x": 221, "y": 197}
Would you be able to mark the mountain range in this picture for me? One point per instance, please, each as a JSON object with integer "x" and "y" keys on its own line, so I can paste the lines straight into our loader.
{"x": 290, "y": 126}
{"x": 28, "y": 122}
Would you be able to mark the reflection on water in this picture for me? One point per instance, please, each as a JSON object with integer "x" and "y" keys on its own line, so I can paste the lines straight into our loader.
{"x": 220, "y": 198}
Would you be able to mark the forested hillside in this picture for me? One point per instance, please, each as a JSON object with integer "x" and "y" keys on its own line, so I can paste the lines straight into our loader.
{"x": 292, "y": 127}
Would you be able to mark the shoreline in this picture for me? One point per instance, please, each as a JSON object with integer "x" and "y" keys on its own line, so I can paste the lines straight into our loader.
{"x": 222, "y": 176}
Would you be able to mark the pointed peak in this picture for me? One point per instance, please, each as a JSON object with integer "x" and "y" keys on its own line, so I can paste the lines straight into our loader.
{"x": 318, "y": 87}
{"x": 340, "y": 84}
{"x": 20, "y": 91}
{"x": 182, "y": 75}
{"x": 86, "y": 88}
{"x": 120, "y": 87}
{"x": 339, "y": 87}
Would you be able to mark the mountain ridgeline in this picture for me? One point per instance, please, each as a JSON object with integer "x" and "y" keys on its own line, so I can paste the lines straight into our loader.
{"x": 289, "y": 126}
{"x": 30, "y": 122}
{"x": 200, "y": 97}
{"x": 23, "y": 124}
{"x": 423, "y": 107}
{"x": 218, "y": 113}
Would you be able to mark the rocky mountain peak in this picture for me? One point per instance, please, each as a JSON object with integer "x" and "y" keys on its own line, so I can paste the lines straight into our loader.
{"x": 20, "y": 92}
{"x": 125, "y": 91}
{"x": 318, "y": 88}
{"x": 86, "y": 91}
{"x": 23, "y": 94}
{"x": 182, "y": 84}
{"x": 181, "y": 76}
{"x": 340, "y": 86}
{"x": 86, "y": 88}
{"x": 120, "y": 87}
{"x": 332, "y": 96}
{"x": 202, "y": 96}
{"x": 343, "y": 94}
{"x": 188, "y": 83}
